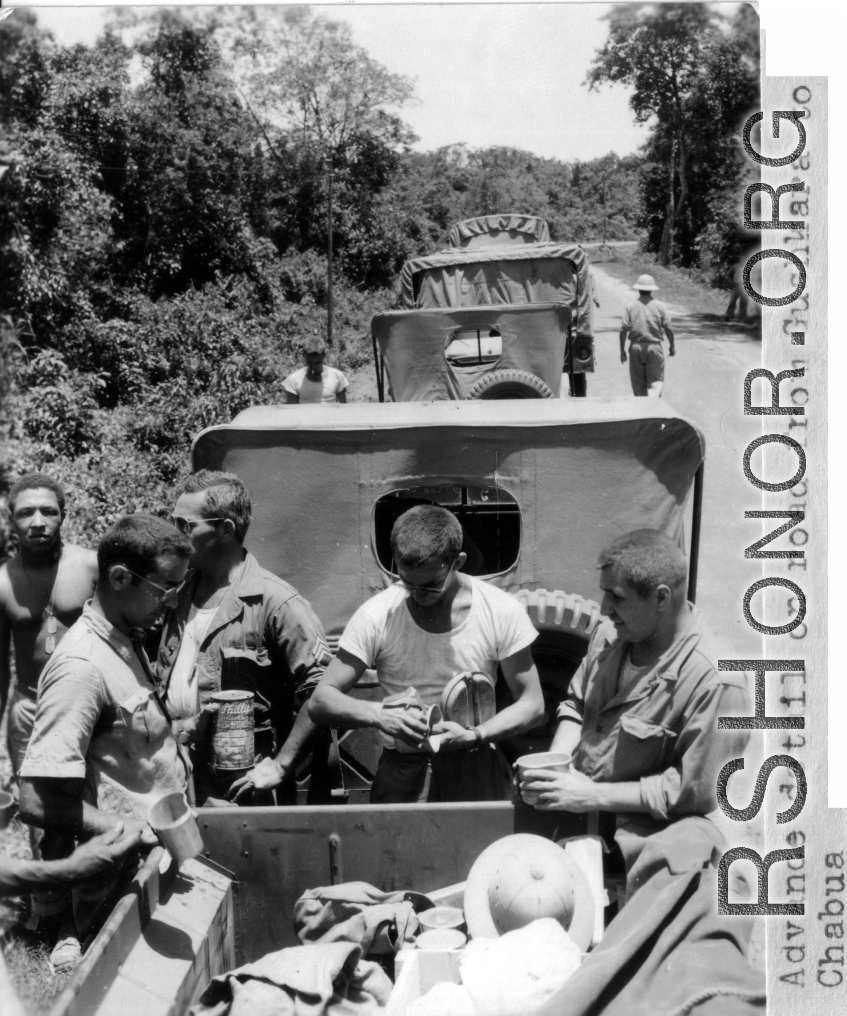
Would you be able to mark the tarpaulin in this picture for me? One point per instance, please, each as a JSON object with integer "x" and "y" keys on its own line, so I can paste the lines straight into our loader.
{"x": 668, "y": 952}
{"x": 518, "y": 274}
{"x": 582, "y": 472}
{"x": 491, "y": 230}
{"x": 414, "y": 342}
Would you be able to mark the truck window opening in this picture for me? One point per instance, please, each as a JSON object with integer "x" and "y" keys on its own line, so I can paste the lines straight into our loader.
{"x": 474, "y": 347}
{"x": 490, "y": 518}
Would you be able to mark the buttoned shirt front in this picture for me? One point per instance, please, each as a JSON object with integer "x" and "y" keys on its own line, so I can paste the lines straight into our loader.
{"x": 663, "y": 731}
{"x": 264, "y": 638}
{"x": 98, "y": 719}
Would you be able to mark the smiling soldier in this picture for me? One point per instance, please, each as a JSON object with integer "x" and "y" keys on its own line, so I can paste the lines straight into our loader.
{"x": 641, "y": 714}
{"x": 433, "y": 624}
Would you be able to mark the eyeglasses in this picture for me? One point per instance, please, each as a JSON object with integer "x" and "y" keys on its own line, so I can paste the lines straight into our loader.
{"x": 425, "y": 590}
{"x": 185, "y": 526}
{"x": 173, "y": 591}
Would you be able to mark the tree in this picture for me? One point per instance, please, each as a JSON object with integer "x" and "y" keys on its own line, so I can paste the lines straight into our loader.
{"x": 658, "y": 51}
{"x": 694, "y": 72}
{"x": 305, "y": 74}
{"x": 315, "y": 95}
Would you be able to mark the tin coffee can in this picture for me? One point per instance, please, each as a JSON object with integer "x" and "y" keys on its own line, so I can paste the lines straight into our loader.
{"x": 233, "y": 743}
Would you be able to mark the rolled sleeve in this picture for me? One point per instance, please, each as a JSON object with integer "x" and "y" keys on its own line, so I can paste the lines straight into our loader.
{"x": 689, "y": 786}
{"x": 299, "y": 639}
{"x": 70, "y": 700}
{"x": 572, "y": 707}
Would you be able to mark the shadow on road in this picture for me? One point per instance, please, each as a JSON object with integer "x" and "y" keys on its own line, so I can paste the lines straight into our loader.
{"x": 715, "y": 326}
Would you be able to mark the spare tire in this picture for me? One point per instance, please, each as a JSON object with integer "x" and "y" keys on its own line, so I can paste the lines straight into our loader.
{"x": 510, "y": 384}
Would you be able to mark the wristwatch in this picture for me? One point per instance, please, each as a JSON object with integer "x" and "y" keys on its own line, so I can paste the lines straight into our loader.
{"x": 182, "y": 735}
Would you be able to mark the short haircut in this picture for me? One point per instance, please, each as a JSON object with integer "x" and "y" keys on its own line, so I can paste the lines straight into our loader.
{"x": 314, "y": 345}
{"x": 137, "y": 541}
{"x": 37, "y": 481}
{"x": 226, "y": 498}
{"x": 646, "y": 559}
{"x": 424, "y": 534}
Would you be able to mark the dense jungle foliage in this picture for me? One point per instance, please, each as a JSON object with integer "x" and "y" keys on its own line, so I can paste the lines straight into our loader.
{"x": 163, "y": 235}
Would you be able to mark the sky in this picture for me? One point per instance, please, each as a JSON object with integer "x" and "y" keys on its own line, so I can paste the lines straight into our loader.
{"x": 485, "y": 74}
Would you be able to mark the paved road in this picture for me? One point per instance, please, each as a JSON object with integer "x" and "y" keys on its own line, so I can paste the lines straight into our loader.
{"x": 704, "y": 381}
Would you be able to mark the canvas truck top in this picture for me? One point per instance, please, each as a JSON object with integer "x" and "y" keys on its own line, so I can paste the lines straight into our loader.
{"x": 416, "y": 347}
{"x": 496, "y": 274}
{"x": 499, "y": 230}
{"x": 539, "y": 487}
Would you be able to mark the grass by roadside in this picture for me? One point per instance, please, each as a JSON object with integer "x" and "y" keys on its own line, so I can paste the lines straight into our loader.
{"x": 676, "y": 285}
{"x": 26, "y": 952}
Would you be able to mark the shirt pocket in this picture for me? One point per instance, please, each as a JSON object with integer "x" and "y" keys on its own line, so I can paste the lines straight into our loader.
{"x": 246, "y": 669}
{"x": 643, "y": 747}
{"x": 137, "y": 728}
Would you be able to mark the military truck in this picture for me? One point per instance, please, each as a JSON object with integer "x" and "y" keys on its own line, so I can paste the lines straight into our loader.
{"x": 540, "y": 488}
{"x": 499, "y": 314}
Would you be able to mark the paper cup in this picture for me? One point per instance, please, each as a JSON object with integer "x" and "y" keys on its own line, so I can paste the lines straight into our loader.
{"x": 173, "y": 822}
{"x": 7, "y": 808}
{"x": 442, "y": 917}
{"x": 555, "y": 761}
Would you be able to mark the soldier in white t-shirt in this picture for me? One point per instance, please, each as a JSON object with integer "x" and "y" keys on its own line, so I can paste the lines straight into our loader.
{"x": 315, "y": 383}
{"x": 433, "y": 624}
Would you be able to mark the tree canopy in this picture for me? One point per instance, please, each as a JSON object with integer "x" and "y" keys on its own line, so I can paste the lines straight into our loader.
{"x": 163, "y": 213}
{"x": 693, "y": 72}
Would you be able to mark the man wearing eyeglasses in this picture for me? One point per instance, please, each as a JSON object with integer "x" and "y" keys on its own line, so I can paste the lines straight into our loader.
{"x": 432, "y": 625}
{"x": 237, "y": 626}
{"x": 102, "y": 750}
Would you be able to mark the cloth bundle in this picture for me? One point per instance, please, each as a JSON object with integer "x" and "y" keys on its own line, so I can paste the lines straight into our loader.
{"x": 381, "y": 922}
{"x": 310, "y": 980}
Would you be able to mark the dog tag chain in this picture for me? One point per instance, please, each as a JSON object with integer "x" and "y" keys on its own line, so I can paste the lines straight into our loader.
{"x": 47, "y": 610}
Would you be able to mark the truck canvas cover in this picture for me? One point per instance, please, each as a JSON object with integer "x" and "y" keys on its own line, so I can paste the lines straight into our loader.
{"x": 413, "y": 344}
{"x": 580, "y": 471}
{"x": 485, "y": 270}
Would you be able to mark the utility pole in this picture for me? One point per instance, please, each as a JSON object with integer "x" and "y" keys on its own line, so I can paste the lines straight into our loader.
{"x": 328, "y": 165}
{"x": 604, "y": 208}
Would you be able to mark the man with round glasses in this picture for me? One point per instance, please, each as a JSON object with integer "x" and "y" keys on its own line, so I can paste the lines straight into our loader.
{"x": 102, "y": 750}
{"x": 237, "y": 626}
{"x": 433, "y": 624}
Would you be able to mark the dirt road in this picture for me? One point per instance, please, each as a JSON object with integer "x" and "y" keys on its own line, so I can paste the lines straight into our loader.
{"x": 704, "y": 381}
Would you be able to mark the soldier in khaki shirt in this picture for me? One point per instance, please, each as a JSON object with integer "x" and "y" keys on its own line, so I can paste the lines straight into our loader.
{"x": 641, "y": 715}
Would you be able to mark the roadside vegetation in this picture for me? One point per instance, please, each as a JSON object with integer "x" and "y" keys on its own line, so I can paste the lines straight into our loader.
{"x": 163, "y": 236}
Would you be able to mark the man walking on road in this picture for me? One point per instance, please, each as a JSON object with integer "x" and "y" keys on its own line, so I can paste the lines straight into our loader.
{"x": 645, "y": 323}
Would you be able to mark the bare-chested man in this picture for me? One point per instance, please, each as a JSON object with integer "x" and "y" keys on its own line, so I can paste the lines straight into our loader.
{"x": 42, "y": 592}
